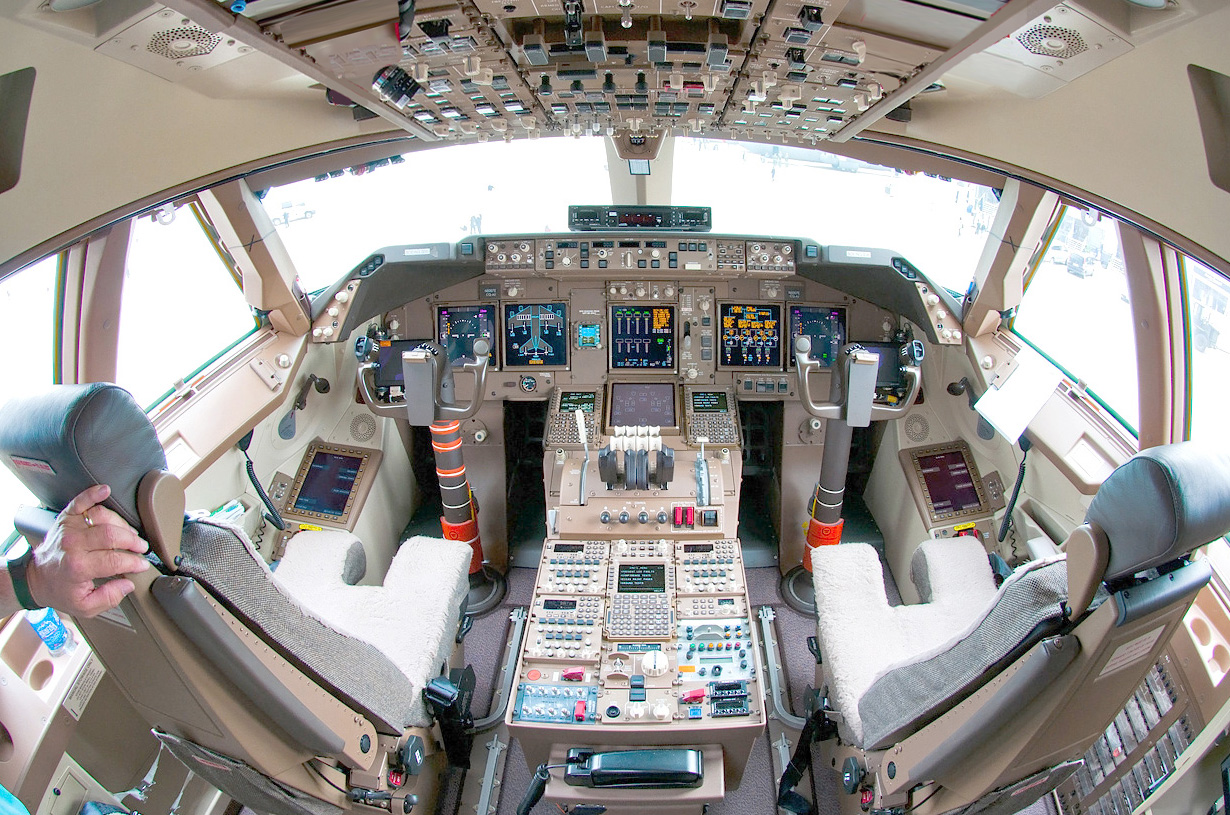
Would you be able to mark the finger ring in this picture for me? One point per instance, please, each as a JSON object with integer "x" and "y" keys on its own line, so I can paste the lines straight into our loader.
{"x": 86, "y": 517}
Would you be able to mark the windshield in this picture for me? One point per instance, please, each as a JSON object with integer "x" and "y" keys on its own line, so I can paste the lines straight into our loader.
{"x": 443, "y": 194}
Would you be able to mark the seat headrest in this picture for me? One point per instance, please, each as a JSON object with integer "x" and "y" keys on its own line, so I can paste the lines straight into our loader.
{"x": 1161, "y": 504}
{"x": 69, "y": 437}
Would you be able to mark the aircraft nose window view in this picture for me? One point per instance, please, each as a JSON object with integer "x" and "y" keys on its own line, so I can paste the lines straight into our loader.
{"x": 605, "y": 407}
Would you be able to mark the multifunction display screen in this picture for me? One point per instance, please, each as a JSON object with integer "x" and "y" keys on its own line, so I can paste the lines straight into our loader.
{"x": 710, "y": 402}
{"x": 327, "y": 486}
{"x": 642, "y": 336}
{"x": 825, "y": 327}
{"x": 535, "y": 334}
{"x": 641, "y": 578}
{"x": 751, "y": 335}
{"x": 642, "y": 404}
{"x": 572, "y": 401}
{"x": 889, "y": 373}
{"x": 949, "y": 483}
{"x": 459, "y": 326}
{"x": 388, "y": 361}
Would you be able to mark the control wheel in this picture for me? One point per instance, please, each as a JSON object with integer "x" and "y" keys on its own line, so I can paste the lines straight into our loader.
{"x": 797, "y": 589}
{"x": 487, "y": 589}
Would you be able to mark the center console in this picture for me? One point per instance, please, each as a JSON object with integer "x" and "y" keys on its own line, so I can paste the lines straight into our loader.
{"x": 640, "y": 631}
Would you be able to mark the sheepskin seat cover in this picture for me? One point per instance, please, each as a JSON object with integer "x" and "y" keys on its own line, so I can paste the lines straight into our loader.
{"x": 860, "y": 634}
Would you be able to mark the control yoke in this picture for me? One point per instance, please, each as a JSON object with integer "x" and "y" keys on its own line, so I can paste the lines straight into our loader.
{"x": 428, "y": 385}
{"x": 852, "y": 393}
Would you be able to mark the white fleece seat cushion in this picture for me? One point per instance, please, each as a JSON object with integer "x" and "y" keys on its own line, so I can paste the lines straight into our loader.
{"x": 412, "y": 618}
{"x": 860, "y": 634}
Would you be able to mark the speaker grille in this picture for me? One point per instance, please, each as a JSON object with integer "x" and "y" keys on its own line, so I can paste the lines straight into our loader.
{"x": 362, "y": 427}
{"x": 1052, "y": 41}
{"x": 917, "y": 428}
{"x": 184, "y": 42}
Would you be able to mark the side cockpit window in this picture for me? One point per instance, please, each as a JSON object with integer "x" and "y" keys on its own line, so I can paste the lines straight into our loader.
{"x": 182, "y": 304}
{"x": 29, "y": 299}
{"x": 1077, "y": 312}
{"x": 1208, "y": 327}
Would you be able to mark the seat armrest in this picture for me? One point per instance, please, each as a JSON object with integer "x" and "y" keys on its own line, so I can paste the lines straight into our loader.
{"x": 953, "y": 569}
{"x": 321, "y": 559}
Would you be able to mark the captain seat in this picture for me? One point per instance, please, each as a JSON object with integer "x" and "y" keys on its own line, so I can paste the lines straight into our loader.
{"x": 286, "y": 689}
{"x": 979, "y": 688}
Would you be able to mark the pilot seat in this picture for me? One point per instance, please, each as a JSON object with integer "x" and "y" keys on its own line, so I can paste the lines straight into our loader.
{"x": 293, "y": 691}
{"x": 981, "y": 698}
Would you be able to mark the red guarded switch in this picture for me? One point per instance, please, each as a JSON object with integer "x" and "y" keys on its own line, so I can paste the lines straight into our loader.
{"x": 578, "y": 711}
{"x": 692, "y": 697}
{"x": 574, "y": 674}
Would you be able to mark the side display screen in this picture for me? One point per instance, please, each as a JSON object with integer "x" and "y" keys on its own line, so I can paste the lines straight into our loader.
{"x": 457, "y": 327}
{"x": 389, "y": 371}
{"x": 535, "y": 335}
{"x": 751, "y": 336}
{"x": 572, "y": 401}
{"x": 327, "y": 486}
{"x": 825, "y": 327}
{"x": 949, "y": 483}
{"x": 889, "y": 373}
{"x": 642, "y": 336}
{"x": 642, "y": 404}
{"x": 641, "y": 578}
{"x": 710, "y": 402}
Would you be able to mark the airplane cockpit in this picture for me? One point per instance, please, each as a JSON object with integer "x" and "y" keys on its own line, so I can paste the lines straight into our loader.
{"x": 751, "y": 407}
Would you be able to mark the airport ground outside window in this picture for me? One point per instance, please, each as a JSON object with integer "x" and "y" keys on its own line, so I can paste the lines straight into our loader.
{"x": 331, "y": 224}
{"x": 28, "y": 297}
{"x": 1075, "y": 298}
{"x": 181, "y": 306}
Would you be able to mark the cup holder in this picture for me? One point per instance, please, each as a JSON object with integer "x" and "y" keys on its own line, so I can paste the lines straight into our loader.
{"x": 6, "y": 744}
{"x": 43, "y": 670}
{"x": 1209, "y": 640}
{"x": 1201, "y": 631}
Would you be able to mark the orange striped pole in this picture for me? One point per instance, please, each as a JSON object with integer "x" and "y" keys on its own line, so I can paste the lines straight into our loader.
{"x": 459, "y": 520}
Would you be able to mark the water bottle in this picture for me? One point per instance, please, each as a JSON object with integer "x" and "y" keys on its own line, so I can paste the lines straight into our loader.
{"x": 52, "y": 631}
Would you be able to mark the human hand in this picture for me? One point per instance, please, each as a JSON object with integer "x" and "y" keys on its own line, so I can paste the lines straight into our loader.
{"x": 87, "y": 543}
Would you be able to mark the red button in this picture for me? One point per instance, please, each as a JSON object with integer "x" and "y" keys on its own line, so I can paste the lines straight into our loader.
{"x": 533, "y": 674}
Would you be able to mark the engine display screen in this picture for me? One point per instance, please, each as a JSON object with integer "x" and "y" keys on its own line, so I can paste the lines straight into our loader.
{"x": 949, "y": 484}
{"x": 641, "y": 578}
{"x": 459, "y": 326}
{"x": 710, "y": 402}
{"x": 825, "y": 327}
{"x": 535, "y": 335}
{"x": 572, "y": 401}
{"x": 751, "y": 335}
{"x": 642, "y": 404}
{"x": 642, "y": 336}
{"x": 327, "y": 486}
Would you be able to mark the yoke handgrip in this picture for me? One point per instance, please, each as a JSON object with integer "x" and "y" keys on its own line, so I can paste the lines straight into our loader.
{"x": 835, "y": 407}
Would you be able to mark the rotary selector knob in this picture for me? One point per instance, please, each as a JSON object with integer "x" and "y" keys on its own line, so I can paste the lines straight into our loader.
{"x": 933, "y": 299}
{"x": 623, "y": 290}
{"x": 328, "y": 331}
{"x": 669, "y": 291}
{"x": 636, "y": 711}
{"x": 394, "y": 325}
{"x": 654, "y": 663}
{"x": 342, "y": 296}
{"x": 492, "y": 247}
{"x": 643, "y": 517}
{"x": 334, "y": 311}
{"x": 661, "y": 712}
{"x": 318, "y": 332}
{"x": 624, "y": 517}
{"x": 614, "y": 290}
{"x": 662, "y": 516}
{"x": 512, "y": 291}
{"x": 693, "y": 373}
{"x": 605, "y": 517}
{"x": 566, "y": 260}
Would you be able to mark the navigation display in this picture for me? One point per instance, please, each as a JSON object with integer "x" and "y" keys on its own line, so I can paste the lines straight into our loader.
{"x": 327, "y": 486}
{"x": 457, "y": 327}
{"x": 751, "y": 336}
{"x": 642, "y": 404}
{"x": 572, "y": 401}
{"x": 535, "y": 335}
{"x": 642, "y": 336}
{"x": 710, "y": 402}
{"x": 825, "y": 326}
{"x": 641, "y": 578}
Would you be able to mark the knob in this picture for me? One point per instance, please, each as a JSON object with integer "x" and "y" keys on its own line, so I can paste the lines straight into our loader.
{"x": 636, "y": 711}
{"x": 318, "y": 332}
{"x": 956, "y": 335}
{"x": 566, "y": 260}
{"x": 661, "y": 712}
{"x": 623, "y": 290}
{"x": 656, "y": 253}
{"x": 605, "y": 517}
{"x": 327, "y": 331}
{"x": 513, "y": 291}
{"x": 614, "y": 290}
{"x": 705, "y": 305}
{"x": 624, "y": 516}
{"x": 640, "y": 291}
{"x": 693, "y": 373}
{"x": 941, "y": 315}
{"x": 394, "y": 325}
{"x": 777, "y": 258}
{"x": 524, "y": 246}
{"x": 493, "y": 247}
{"x": 643, "y": 517}
{"x": 334, "y": 311}
{"x": 342, "y": 296}
{"x": 669, "y": 291}
{"x": 717, "y": 670}
{"x": 933, "y": 299}
{"x": 662, "y": 516}
{"x": 946, "y": 334}
{"x": 654, "y": 663}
